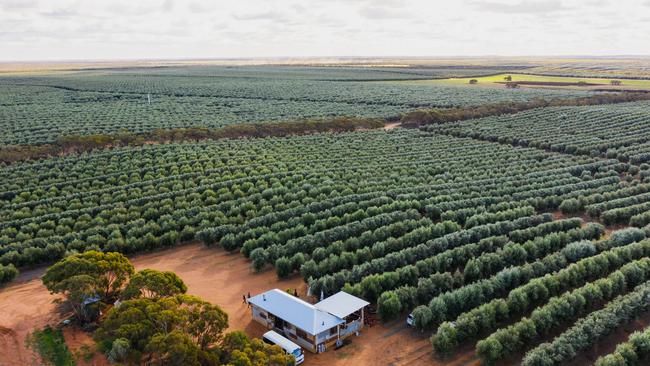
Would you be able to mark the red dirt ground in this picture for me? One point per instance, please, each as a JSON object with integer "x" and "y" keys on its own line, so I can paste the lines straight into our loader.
{"x": 26, "y": 304}
{"x": 218, "y": 277}
{"x": 76, "y": 339}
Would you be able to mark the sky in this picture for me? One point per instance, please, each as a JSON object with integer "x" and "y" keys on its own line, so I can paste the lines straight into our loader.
{"x": 32, "y": 30}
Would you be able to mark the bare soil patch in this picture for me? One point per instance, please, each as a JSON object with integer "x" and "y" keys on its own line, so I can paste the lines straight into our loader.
{"x": 390, "y": 126}
{"x": 26, "y": 305}
{"x": 81, "y": 344}
{"x": 218, "y": 277}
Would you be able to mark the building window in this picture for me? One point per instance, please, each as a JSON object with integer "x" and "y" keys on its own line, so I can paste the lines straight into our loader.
{"x": 300, "y": 333}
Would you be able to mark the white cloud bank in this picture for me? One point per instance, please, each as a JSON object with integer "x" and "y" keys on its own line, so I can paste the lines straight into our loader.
{"x": 136, "y": 29}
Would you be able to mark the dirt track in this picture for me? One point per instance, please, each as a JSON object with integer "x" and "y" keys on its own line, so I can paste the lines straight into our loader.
{"x": 220, "y": 278}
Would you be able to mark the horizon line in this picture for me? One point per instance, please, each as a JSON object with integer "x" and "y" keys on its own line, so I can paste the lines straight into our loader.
{"x": 331, "y": 57}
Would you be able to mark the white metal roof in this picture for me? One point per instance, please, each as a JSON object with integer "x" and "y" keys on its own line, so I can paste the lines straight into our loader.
{"x": 341, "y": 304}
{"x": 295, "y": 311}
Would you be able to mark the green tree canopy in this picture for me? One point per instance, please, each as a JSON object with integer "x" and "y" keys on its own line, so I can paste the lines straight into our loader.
{"x": 76, "y": 290}
{"x": 146, "y": 320}
{"x": 173, "y": 348}
{"x": 110, "y": 271}
{"x": 150, "y": 283}
{"x": 181, "y": 330}
{"x": 239, "y": 350}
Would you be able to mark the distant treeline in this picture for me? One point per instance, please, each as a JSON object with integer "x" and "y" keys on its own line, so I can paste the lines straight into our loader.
{"x": 432, "y": 116}
{"x": 78, "y": 143}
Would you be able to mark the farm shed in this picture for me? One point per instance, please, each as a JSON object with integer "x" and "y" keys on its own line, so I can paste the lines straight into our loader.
{"x": 315, "y": 327}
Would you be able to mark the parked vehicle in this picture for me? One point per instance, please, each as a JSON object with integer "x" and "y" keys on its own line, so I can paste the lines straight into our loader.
{"x": 273, "y": 337}
{"x": 410, "y": 321}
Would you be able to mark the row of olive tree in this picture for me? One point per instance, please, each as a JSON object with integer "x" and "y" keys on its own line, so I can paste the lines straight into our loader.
{"x": 624, "y": 197}
{"x": 285, "y": 217}
{"x": 640, "y": 220}
{"x": 490, "y": 217}
{"x": 136, "y": 223}
{"x": 392, "y": 261}
{"x": 318, "y": 267}
{"x": 592, "y": 203}
{"x": 314, "y": 218}
{"x": 329, "y": 224}
{"x": 307, "y": 244}
{"x": 484, "y": 263}
{"x": 436, "y": 269}
{"x": 157, "y": 220}
{"x": 631, "y": 353}
{"x": 590, "y": 329}
{"x": 623, "y": 214}
{"x": 559, "y": 310}
{"x": 484, "y": 317}
{"x": 450, "y": 305}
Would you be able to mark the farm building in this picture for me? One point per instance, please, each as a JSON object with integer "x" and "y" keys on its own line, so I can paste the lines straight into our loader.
{"x": 315, "y": 327}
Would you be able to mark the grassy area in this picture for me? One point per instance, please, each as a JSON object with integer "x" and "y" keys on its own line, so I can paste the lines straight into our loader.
{"x": 497, "y": 80}
{"x": 50, "y": 344}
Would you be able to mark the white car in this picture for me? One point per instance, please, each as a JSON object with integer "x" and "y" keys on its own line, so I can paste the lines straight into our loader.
{"x": 410, "y": 320}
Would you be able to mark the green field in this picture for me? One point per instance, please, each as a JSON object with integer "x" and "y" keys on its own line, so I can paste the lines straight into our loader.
{"x": 498, "y": 80}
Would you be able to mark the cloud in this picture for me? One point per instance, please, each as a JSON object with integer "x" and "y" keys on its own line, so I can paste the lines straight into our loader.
{"x": 379, "y": 12}
{"x": 197, "y": 7}
{"x": 121, "y": 9}
{"x": 60, "y": 13}
{"x": 264, "y": 15}
{"x": 521, "y": 7}
{"x": 17, "y": 4}
{"x": 85, "y": 29}
{"x": 167, "y": 5}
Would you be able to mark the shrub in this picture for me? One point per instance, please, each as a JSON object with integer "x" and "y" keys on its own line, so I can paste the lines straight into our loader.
{"x": 629, "y": 353}
{"x": 570, "y": 206}
{"x": 283, "y": 267}
{"x": 388, "y": 306}
{"x": 50, "y": 344}
{"x": 258, "y": 256}
{"x": 422, "y": 316}
{"x": 7, "y": 273}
